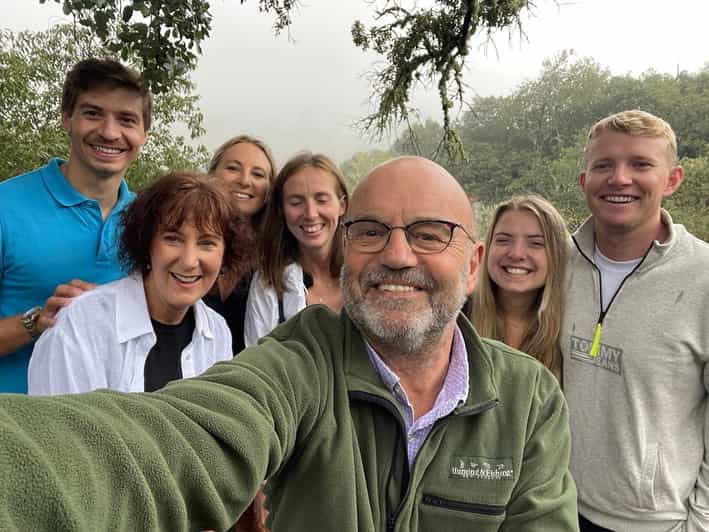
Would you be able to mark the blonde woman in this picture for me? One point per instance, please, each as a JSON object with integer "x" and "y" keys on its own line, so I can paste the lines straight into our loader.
{"x": 245, "y": 166}
{"x": 518, "y": 299}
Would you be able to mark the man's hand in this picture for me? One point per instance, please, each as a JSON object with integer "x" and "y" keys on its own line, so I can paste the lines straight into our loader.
{"x": 63, "y": 294}
{"x": 13, "y": 334}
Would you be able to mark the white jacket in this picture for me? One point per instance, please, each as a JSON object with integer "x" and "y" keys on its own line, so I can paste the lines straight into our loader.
{"x": 102, "y": 340}
{"x": 262, "y": 303}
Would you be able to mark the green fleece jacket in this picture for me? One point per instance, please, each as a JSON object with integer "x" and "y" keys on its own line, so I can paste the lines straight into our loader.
{"x": 306, "y": 409}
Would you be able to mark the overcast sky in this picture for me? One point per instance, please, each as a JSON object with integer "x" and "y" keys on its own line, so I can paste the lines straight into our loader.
{"x": 307, "y": 92}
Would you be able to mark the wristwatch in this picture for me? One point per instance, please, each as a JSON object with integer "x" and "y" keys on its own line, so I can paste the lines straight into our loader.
{"x": 29, "y": 321}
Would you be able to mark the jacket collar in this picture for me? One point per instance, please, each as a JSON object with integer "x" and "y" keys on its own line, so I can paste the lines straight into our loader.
{"x": 133, "y": 318}
{"x": 66, "y": 195}
{"x": 362, "y": 376}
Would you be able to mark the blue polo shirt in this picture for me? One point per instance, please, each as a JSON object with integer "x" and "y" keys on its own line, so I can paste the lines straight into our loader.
{"x": 49, "y": 234}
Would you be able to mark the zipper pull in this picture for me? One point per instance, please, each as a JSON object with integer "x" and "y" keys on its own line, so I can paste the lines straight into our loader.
{"x": 595, "y": 346}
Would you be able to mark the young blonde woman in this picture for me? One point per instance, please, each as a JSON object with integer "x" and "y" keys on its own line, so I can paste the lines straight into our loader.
{"x": 302, "y": 244}
{"x": 246, "y": 167}
{"x": 518, "y": 299}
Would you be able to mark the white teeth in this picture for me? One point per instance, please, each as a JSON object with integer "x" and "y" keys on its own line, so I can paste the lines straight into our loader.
{"x": 396, "y": 288}
{"x": 312, "y": 228}
{"x": 105, "y": 149}
{"x": 516, "y": 271}
{"x": 619, "y": 199}
{"x": 186, "y": 278}
{"x": 240, "y": 195}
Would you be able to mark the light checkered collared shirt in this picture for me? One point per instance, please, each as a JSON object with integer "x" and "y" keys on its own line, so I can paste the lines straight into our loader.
{"x": 453, "y": 392}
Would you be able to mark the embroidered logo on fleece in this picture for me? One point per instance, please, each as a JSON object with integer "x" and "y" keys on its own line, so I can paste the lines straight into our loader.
{"x": 481, "y": 468}
{"x": 609, "y": 357}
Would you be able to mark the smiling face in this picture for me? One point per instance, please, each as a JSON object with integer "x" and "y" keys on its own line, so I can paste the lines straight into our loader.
{"x": 246, "y": 167}
{"x": 402, "y": 300}
{"x": 106, "y": 132}
{"x": 517, "y": 258}
{"x": 312, "y": 207}
{"x": 625, "y": 180}
{"x": 184, "y": 263}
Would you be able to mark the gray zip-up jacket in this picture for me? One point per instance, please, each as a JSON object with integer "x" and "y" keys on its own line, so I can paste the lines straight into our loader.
{"x": 639, "y": 425}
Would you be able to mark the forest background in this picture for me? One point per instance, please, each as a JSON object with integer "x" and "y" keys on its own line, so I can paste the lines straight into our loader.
{"x": 528, "y": 140}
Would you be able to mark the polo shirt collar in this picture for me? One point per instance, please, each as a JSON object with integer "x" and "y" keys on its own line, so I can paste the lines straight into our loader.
{"x": 66, "y": 195}
{"x": 58, "y": 185}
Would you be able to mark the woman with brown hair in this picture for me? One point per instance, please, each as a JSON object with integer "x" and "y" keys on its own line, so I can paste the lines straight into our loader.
{"x": 246, "y": 167}
{"x": 150, "y": 327}
{"x": 518, "y": 299}
{"x": 302, "y": 244}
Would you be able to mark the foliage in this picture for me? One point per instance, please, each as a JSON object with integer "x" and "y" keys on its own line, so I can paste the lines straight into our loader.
{"x": 360, "y": 164}
{"x": 165, "y": 35}
{"x": 532, "y": 140}
{"x": 32, "y": 67}
{"x": 689, "y": 205}
{"x": 426, "y": 45}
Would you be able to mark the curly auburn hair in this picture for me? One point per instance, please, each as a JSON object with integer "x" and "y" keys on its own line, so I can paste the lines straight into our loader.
{"x": 168, "y": 203}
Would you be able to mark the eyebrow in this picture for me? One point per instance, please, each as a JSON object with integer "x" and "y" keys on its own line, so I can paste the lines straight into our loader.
{"x": 254, "y": 167}
{"x": 92, "y": 106}
{"x": 85, "y": 105}
{"x": 528, "y": 235}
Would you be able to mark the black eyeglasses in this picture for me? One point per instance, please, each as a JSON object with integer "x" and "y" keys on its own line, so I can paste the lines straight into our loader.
{"x": 425, "y": 236}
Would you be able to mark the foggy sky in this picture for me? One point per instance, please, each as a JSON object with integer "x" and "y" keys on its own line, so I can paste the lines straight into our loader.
{"x": 307, "y": 91}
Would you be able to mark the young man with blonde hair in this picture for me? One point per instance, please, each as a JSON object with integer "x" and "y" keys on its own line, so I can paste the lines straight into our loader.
{"x": 635, "y": 339}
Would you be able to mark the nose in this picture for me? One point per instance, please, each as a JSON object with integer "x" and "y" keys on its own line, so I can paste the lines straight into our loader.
{"x": 620, "y": 175}
{"x": 517, "y": 250}
{"x": 311, "y": 210}
{"x": 189, "y": 257}
{"x": 109, "y": 128}
{"x": 243, "y": 178}
{"x": 397, "y": 254}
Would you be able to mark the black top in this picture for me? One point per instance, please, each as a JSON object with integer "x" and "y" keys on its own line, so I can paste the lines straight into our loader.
{"x": 164, "y": 362}
{"x": 233, "y": 310}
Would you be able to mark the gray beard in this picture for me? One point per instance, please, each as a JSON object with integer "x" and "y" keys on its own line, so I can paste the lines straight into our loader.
{"x": 422, "y": 330}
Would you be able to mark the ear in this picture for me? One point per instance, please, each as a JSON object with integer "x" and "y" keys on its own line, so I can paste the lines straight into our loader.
{"x": 66, "y": 122}
{"x": 343, "y": 206}
{"x": 674, "y": 180}
{"x": 476, "y": 258}
{"x": 582, "y": 180}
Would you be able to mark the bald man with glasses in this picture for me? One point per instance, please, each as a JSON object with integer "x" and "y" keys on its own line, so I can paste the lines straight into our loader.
{"x": 394, "y": 415}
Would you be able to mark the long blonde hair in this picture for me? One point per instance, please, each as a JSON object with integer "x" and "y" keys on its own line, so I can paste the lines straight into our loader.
{"x": 542, "y": 337}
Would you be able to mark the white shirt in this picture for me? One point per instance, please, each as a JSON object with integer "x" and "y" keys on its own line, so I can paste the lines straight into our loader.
{"x": 262, "y": 303}
{"x": 103, "y": 337}
{"x": 613, "y": 273}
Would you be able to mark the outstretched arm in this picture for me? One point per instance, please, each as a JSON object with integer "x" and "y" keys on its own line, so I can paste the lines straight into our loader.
{"x": 191, "y": 456}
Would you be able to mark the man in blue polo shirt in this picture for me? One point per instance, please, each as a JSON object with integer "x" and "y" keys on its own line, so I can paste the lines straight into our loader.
{"x": 59, "y": 222}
